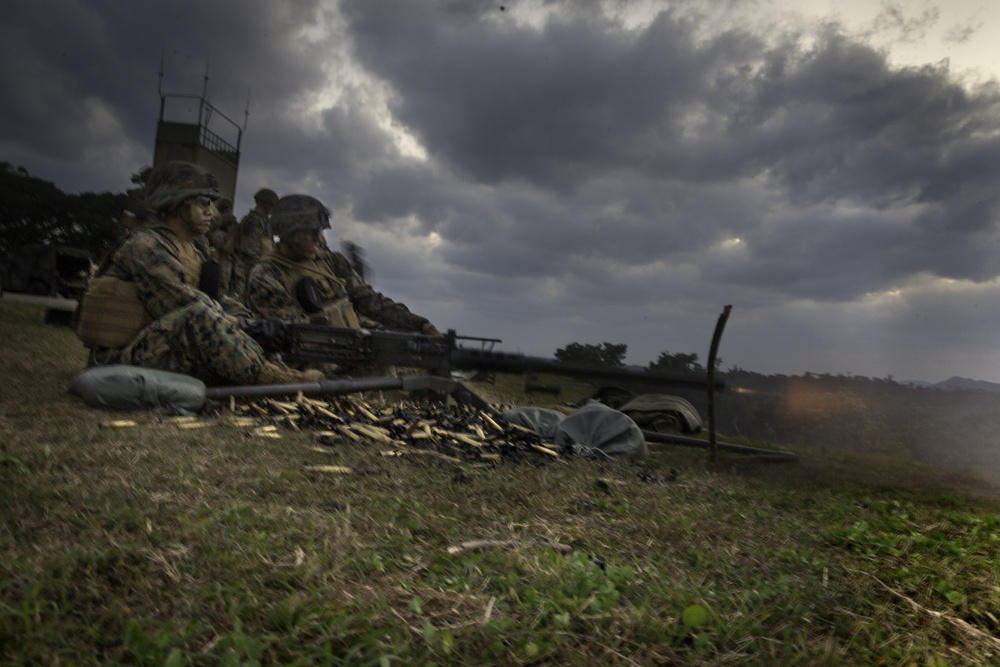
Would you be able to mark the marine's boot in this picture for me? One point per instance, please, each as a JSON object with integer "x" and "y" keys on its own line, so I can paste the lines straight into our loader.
{"x": 277, "y": 373}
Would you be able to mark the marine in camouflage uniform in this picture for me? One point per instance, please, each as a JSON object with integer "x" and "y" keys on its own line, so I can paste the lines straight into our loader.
{"x": 302, "y": 279}
{"x": 221, "y": 222}
{"x": 251, "y": 240}
{"x": 223, "y": 225}
{"x": 179, "y": 327}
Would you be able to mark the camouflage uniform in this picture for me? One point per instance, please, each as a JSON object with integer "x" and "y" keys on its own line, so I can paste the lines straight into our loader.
{"x": 268, "y": 297}
{"x": 303, "y": 279}
{"x": 250, "y": 240}
{"x": 190, "y": 332}
{"x": 223, "y": 227}
{"x": 221, "y": 222}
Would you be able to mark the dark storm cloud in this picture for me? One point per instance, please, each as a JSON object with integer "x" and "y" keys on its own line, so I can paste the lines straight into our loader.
{"x": 581, "y": 98}
{"x": 554, "y": 106}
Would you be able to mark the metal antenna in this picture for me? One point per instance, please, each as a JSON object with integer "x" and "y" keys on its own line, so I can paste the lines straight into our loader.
{"x": 159, "y": 85}
{"x": 204, "y": 89}
{"x": 246, "y": 114}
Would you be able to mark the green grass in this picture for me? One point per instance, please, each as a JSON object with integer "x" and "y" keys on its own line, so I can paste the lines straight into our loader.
{"x": 159, "y": 546}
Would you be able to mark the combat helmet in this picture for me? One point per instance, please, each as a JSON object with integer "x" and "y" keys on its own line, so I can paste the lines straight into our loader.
{"x": 171, "y": 183}
{"x": 294, "y": 212}
{"x": 266, "y": 196}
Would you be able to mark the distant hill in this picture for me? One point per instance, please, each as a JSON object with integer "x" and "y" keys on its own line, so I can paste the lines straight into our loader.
{"x": 956, "y": 382}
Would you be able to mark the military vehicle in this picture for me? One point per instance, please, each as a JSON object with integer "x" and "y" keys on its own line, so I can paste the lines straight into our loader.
{"x": 46, "y": 270}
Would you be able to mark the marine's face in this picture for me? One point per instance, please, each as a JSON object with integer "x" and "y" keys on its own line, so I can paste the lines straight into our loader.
{"x": 199, "y": 215}
{"x": 303, "y": 244}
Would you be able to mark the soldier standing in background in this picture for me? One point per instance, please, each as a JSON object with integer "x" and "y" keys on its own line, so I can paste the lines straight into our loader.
{"x": 251, "y": 240}
{"x": 223, "y": 225}
{"x": 221, "y": 222}
{"x": 302, "y": 279}
{"x": 146, "y": 307}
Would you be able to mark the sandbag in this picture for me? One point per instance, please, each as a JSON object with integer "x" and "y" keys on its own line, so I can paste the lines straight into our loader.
{"x": 663, "y": 413}
{"x": 597, "y": 431}
{"x": 542, "y": 421}
{"x": 124, "y": 387}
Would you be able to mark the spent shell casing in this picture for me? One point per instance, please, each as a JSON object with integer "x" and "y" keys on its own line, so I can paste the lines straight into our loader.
{"x": 365, "y": 412}
{"x": 193, "y": 424}
{"x": 339, "y": 470}
{"x": 118, "y": 423}
{"x": 461, "y": 437}
{"x": 346, "y": 430}
{"x": 490, "y": 421}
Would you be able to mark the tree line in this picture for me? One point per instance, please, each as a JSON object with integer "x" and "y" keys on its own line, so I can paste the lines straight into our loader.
{"x": 33, "y": 210}
{"x": 613, "y": 355}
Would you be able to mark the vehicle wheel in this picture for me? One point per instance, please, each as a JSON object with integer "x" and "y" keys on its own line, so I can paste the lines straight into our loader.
{"x": 37, "y": 287}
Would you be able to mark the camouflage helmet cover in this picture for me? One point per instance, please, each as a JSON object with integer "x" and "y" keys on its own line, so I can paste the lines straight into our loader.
{"x": 294, "y": 212}
{"x": 171, "y": 183}
{"x": 224, "y": 205}
{"x": 266, "y": 196}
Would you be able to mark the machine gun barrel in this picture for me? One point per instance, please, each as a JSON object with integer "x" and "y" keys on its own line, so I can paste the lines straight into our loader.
{"x": 505, "y": 362}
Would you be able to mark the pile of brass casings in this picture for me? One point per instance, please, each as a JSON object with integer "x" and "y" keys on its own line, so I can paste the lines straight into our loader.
{"x": 450, "y": 433}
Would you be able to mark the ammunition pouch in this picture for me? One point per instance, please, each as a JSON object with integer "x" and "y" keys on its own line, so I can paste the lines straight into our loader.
{"x": 110, "y": 313}
{"x": 210, "y": 278}
{"x": 308, "y": 295}
{"x": 338, "y": 313}
{"x": 316, "y": 289}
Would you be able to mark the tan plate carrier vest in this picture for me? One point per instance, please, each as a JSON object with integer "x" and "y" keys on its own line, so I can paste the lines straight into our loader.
{"x": 110, "y": 312}
{"x": 337, "y": 306}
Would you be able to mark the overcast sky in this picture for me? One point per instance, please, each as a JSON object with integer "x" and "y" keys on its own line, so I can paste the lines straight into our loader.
{"x": 551, "y": 172}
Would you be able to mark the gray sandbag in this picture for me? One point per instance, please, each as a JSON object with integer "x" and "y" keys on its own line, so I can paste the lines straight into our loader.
{"x": 542, "y": 421}
{"x": 123, "y": 387}
{"x": 662, "y": 413}
{"x": 597, "y": 431}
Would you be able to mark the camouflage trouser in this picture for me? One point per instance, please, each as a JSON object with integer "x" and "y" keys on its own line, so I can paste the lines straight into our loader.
{"x": 197, "y": 341}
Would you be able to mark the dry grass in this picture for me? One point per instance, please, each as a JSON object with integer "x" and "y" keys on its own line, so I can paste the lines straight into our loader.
{"x": 156, "y": 545}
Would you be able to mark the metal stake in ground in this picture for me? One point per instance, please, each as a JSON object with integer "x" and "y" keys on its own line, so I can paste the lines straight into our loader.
{"x": 712, "y": 352}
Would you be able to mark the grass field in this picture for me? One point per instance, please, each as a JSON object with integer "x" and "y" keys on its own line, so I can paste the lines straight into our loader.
{"x": 154, "y": 545}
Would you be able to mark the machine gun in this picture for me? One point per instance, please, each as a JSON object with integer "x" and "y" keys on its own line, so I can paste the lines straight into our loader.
{"x": 356, "y": 351}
